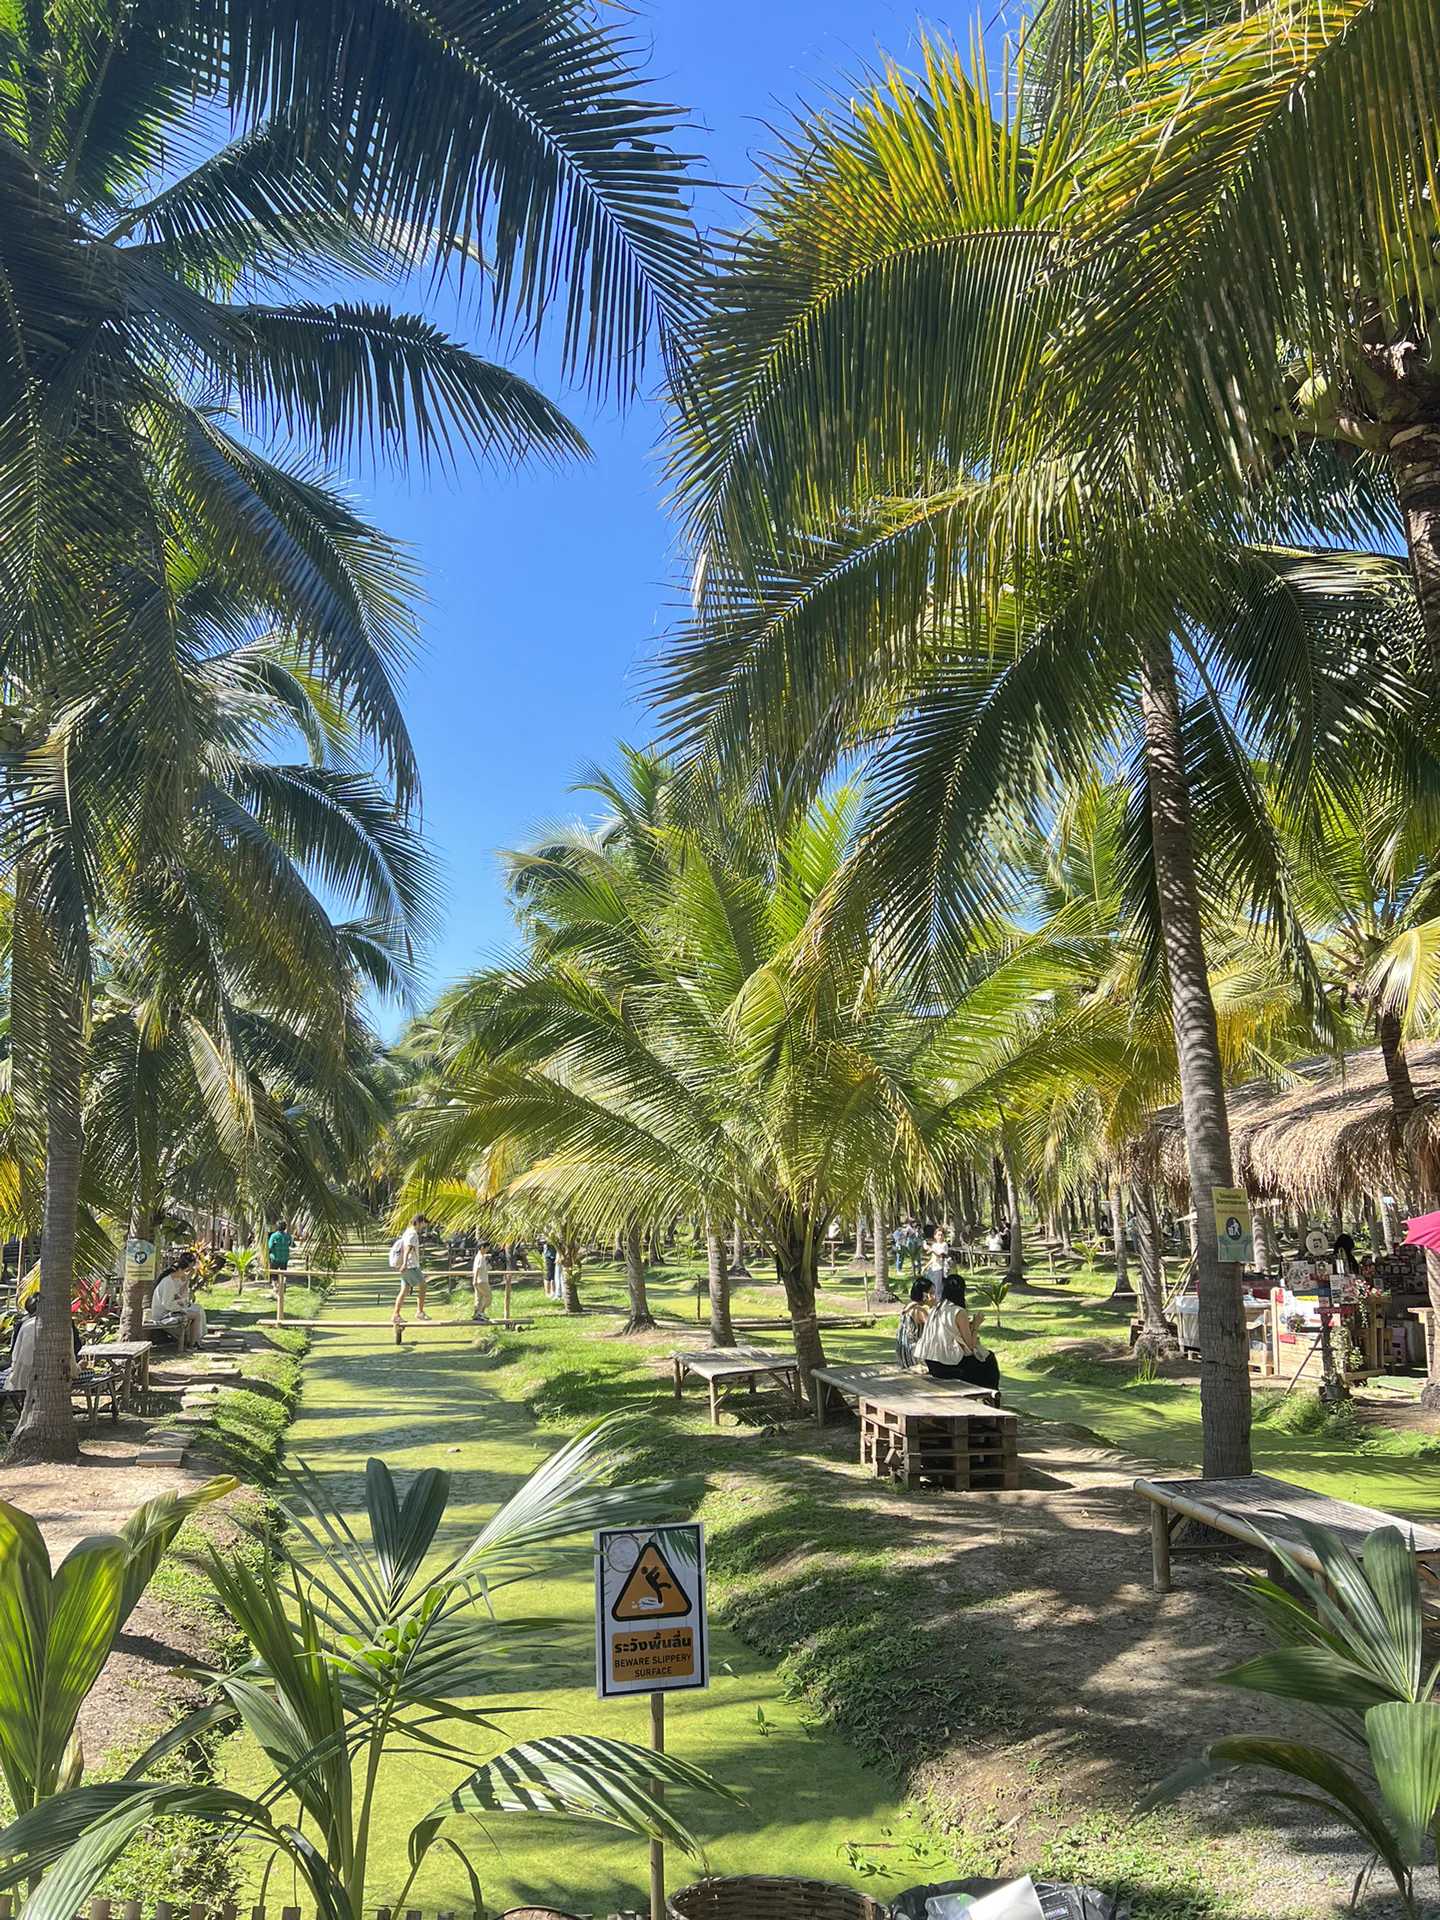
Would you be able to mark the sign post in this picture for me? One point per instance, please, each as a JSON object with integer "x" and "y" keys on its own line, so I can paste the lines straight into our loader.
{"x": 651, "y": 1632}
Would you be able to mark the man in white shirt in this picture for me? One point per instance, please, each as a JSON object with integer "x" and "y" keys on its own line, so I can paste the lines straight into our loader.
{"x": 412, "y": 1274}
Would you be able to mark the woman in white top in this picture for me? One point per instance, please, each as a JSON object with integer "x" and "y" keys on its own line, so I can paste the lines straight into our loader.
{"x": 171, "y": 1300}
{"x": 22, "y": 1350}
{"x": 480, "y": 1284}
{"x": 937, "y": 1250}
{"x": 950, "y": 1345}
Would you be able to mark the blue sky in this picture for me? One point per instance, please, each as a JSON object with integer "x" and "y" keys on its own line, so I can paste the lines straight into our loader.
{"x": 549, "y": 591}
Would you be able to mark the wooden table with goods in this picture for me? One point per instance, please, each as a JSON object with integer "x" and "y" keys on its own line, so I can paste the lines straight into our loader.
{"x": 915, "y": 1431}
{"x": 718, "y": 1366}
{"x": 131, "y": 1359}
{"x": 1255, "y": 1509}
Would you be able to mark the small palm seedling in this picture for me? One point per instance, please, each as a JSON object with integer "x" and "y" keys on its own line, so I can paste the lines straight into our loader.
{"x": 366, "y": 1651}
{"x": 991, "y": 1290}
{"x": 1347, "y": 1645}
{"x": 57, "y": 1627}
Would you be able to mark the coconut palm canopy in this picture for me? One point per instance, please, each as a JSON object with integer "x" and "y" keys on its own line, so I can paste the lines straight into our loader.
{"x": 1330, "y": 1137}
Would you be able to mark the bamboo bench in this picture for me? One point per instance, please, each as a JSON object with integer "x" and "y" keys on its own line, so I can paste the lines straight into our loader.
{"x": 1254, "y": 1509}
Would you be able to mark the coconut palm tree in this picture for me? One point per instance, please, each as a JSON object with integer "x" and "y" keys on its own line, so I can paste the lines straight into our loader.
{"x": 891, "y": 562}
{"x": 212, "y": 927}
{"x": 1370, "y": 888}
{"x": 163, "y": 323}
{"x": 1256, "y": 252}
{"x": 690, "y": 1033}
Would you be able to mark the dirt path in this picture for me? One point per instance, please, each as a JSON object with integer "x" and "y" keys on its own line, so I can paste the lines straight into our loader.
{"x": 1078, "y": 1687}
{"x": 141, "y": 1689}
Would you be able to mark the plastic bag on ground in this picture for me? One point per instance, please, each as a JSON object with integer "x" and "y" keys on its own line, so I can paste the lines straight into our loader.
{"x": 1056, "y": 1902}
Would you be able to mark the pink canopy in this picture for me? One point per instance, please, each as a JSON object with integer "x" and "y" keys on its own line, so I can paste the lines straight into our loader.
{"x": 1424, "y": 1231}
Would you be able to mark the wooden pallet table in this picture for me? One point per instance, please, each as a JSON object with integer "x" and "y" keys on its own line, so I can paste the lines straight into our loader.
{"x": 909, "y": 1436}
{"x": 718, "y": 1366}
{"x": 845, "y": 1384}
{"x": 1254, "y": 1509}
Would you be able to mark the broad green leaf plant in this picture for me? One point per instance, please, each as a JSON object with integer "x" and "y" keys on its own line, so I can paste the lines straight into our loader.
{"x": 369, "y": 1649}
{"x": 1348, "y": 1645}
{"x": 57, "y": 1627}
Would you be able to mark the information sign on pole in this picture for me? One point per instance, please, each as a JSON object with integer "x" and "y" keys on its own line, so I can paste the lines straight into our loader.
{"x": 651, "y": 1634}
{"x": 1234, "y": 1230}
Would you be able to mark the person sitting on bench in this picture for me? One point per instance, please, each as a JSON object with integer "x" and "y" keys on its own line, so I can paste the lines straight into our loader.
{"x": 22, "y": 1349}
{"x": 171, "y": 1301}
{"x": 950, "y": 1345}
{"x": 912, "y": 1323}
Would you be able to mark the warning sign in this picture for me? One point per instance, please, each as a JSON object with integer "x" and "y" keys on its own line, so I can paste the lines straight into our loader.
{"x": 650, "y": 1628}
{"x": 651, "y": 1591}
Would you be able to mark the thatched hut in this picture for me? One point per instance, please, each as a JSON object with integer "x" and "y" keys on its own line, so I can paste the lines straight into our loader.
{"x": 1328, "y": 1141}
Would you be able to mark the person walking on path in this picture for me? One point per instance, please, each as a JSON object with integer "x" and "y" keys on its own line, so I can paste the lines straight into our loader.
{"x": 412, "y": 1274}
{"x": 480, "y": 1284}
{"x": 277, "y": 1248}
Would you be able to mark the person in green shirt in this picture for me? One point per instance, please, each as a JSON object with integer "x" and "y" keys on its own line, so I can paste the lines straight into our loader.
{"x": 278, "y": 1247}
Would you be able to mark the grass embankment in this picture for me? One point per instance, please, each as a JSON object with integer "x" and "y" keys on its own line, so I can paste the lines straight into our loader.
{"x": 243, "y": 1435}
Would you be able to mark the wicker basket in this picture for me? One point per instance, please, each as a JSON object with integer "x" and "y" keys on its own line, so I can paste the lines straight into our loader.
{"x": 763, "y": 1897}
{"x": 537, "y": 1913}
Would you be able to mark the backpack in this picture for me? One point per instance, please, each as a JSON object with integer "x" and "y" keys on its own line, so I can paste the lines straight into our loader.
{"x": 397, "y": 1254}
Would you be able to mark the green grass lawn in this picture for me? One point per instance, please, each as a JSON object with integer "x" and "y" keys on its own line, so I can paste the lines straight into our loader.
{"x": 816, "y": 1713}
{"x": 437, "y": 1402}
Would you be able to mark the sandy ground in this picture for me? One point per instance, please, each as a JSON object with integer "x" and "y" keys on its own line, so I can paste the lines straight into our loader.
{"x": 141, "y": 1689}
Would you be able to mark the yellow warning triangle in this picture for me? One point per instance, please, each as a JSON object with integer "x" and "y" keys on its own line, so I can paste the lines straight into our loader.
{"x": 651, "y": 1591}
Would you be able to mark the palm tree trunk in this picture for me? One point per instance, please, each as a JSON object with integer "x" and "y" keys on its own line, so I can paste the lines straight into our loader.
{"x": 1415, "y": 463}
{"x": 133, "y": 1299}
{"x": 1402, "y": 1105}
{"x": 1015, "y": 1270}
{"x": 46, "y": 1430}
{"x": 1224, "y": 1345}
{"x": 738, "y": 1269}
{"x": 880, "y": 1255}
{"x": 1264, "y": 1249}
{"x": 571, "y": 1258}
{"x": 1155, "y": 1336}
{"x": 797, "y": 1252}
{"x": 722, "y": 1334}
{"x": 1124, "y": 1293}
{"x": 641, "y": 1318}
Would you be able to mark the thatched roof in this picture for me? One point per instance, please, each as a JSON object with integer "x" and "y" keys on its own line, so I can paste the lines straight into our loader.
{"x": 1332, "y": 1137}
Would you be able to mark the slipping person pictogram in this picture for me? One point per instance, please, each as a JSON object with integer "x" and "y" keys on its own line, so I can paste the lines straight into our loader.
{"x": 651, "y": 1591}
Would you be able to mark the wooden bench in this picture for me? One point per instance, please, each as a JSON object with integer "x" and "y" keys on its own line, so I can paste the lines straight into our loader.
{"x": 716, "y": 1365}
{"x": 846, "y": 1384}
{"x": 1255, "y": 1510}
